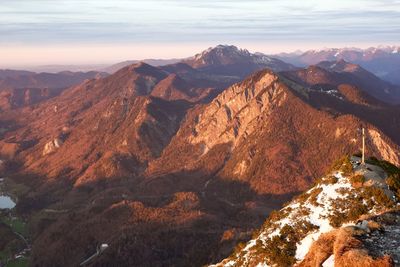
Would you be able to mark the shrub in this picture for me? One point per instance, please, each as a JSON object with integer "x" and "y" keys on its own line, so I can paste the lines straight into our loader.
{"x": 280, "y": 251}
{"x": 314, "y": 195}
{"x": 276, "y": 215}
{"x": 343, "y": 164}
{"x": 393, "y": 181}
{"x": 304, "y": 227}
{"x": 331, "y": 180}
{"x": 302, "y": 197}
{"x": 357, "y": 179}
{"x": 378, "y": 195}
{"x": 348, "y": 209}
{"x": 239, "y": 247}
{"x": 338, "y": 218}
{"x": 303, "y": 211}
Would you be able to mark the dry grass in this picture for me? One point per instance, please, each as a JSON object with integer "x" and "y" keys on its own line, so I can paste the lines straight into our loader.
{"x": 319, "y": 251}
{"x": 375, "y": 226}
{"x": 357, "y": 180}
{"x": 347, "y": 249}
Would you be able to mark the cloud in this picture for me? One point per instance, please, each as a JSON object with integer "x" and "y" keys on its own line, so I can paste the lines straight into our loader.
{"x": 36, "y": 22}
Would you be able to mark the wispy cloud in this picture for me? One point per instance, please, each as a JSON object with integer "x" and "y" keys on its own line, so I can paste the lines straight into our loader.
{"x": 74, "y": 22}
{"x": 39, "y": 21}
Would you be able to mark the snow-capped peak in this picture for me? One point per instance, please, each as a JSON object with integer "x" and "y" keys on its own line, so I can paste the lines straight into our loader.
{"x": 227, "y": 54}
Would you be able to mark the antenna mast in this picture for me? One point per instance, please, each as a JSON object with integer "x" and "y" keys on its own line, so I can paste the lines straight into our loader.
{"x": 363, "y": 146}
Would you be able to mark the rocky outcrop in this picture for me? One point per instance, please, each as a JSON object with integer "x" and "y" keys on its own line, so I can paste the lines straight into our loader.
{"x": 234, "y": 113}
{"x": 344, "y": 247}
{"x": 331, "y": 222}
{"x": 52, "y": 146}
{"x": 386, "y": 151}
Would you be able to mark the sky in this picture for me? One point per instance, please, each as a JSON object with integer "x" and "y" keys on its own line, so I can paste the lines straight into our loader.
{"x": 38, "y": 32}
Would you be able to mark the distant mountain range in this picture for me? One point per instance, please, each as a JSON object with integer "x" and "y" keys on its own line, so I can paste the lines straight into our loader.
{"x": 384, "y": 62}
{"x": 341, "y": 72}
{"x": 153, "y": 62}
{"x": 221, "y": 60}
{"x": 21, "y": 88}
{"x": 216, "y": 67}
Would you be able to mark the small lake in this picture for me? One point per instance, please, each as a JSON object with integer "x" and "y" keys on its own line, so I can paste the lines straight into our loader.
{"x": 6, "y": 202}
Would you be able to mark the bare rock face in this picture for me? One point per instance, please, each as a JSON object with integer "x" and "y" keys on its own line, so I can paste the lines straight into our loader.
{"x": 234, "y": 113}
{"x": 233, "y": 61}
{"x": 386, "y": 151}
{"x": 52, "y": 146}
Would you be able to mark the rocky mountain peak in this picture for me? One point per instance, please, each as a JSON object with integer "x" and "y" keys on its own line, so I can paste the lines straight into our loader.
{"x": 133, "y": 80}
{"x": 225, "y": 55}
{"x": 234, "y": 113}
{"x": 224, "y": 50}
{"x": 219, "y": 55}
{"x": 344, "y": 202}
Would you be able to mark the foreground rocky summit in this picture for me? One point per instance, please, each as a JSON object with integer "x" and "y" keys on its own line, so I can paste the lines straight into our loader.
{"x": 349, "y": 218}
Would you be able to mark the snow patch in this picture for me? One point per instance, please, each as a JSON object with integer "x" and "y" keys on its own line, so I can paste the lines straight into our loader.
{"x": 313, "y": 209}
{"x": 330, "y": 262}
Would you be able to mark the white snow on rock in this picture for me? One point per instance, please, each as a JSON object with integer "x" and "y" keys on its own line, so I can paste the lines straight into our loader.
{"x": 319, "y": 212}
{"x": 317, "y": 215}
{"x": 330, "y": 262}
{"x": 310, "y": 211}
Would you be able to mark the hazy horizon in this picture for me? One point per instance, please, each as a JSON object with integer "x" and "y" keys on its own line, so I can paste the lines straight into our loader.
{"x": 124, "y": 54}
{"x": 42, "y": 32}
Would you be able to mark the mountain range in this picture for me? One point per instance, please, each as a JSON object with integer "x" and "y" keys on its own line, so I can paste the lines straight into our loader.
{"x": 22, "y": 88}
{"x": 383, "y": 61}
{"x": 175, "y": 165}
